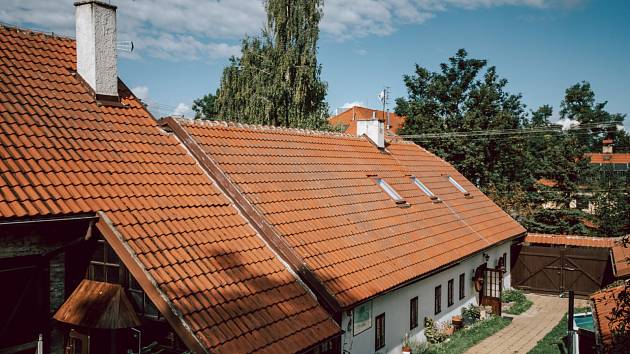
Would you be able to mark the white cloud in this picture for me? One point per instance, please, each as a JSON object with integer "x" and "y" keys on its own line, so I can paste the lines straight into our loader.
{"x": 194, "y": 29}
{"x": 166, "y": 29}
{"x": 361, "y": 51}
{"x": 360, "y": 18}
{"x": 182, "y": 109}
{"x": 352, "y": 104}
{"x": 142, "y": 92}
{"x": 567, "y": 123}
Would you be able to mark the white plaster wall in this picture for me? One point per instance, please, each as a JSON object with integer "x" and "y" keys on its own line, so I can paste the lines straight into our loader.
{"x": 395, "y": 305}
{"x": 374, "y": 129}
{"x": 96, "y": 47}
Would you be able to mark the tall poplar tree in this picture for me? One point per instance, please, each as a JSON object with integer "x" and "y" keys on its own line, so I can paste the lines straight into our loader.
{"x": 276, "y": 81}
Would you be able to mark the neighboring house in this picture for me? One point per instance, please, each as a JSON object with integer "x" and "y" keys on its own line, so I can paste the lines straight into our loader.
{"x": 349, "y": 117}
{"x": 216, "y": 237}
{"x": 611, "y": 163}
{"x": 604, "y": 303}
{"x": 390, "y": 232}
{"x": 607, "y": 164}
{"x": 91, "y": 187}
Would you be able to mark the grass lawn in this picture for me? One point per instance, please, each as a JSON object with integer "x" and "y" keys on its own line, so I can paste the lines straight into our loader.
{"x": 549, "y": 344}
{"x": 464, "y": 339}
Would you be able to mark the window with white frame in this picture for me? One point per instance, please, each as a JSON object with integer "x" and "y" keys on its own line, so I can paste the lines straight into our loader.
{"x": 389, "y": 190}
{"x": 458, "y": 186}
{"x": 424, "y": 189}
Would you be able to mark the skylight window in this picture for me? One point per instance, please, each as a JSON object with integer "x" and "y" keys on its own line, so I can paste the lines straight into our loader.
{"x": 424, "y": 189}
{"x": 390, "y": 191}
{"x": 458, "y": 186}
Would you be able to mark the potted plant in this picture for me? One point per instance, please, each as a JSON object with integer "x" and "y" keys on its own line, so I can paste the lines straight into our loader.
{"x": 406, "y": 347}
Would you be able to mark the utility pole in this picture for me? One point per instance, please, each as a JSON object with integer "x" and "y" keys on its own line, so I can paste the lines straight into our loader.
{"x": 384, "y": 97}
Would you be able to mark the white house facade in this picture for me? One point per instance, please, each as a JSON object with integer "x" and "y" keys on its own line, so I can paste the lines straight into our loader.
{"x": 396, "y": 305}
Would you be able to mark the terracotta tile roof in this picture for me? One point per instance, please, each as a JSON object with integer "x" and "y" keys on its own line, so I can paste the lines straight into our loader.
{"x": 547, "y": 182}
{"x": 62, "y": 153}
{"x": 349, "y": 117}
{"x": 571, "y": 240}
{"x": 604, "y": 301}
{"x": 314, "y": 189}
{"x": 609, "y": 158}
{"x": 621, "y": 257}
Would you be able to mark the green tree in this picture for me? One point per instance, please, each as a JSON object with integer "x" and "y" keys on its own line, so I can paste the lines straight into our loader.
{"x": 276, "y": 81}
{"x": 465, "y": 96}
{"x": 205, "y": 107}
{"x": 596, "y": 123}
{"x": 559, "y": 160}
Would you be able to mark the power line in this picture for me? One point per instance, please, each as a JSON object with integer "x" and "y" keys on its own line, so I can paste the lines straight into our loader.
{"x": 509, "y": 132}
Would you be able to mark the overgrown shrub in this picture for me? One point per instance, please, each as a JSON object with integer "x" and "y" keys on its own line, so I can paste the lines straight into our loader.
{"x": 520, "y": 302}
{"x": 432, "y": 332}
{"x": 470, "y": 314}
{"x": 513, "y": 295}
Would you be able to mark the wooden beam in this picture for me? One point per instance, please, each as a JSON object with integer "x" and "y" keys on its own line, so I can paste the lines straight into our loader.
{"x": 148, "y": 284}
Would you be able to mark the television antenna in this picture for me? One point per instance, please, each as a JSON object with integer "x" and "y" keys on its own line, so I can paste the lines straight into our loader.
{"x": 125, "y": 46}
{"x": 383, "y": 96}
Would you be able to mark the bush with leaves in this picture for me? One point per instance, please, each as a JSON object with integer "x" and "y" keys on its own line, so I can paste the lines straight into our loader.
{"x": 512, "y": 295}
{"x": 471, "y": 314}
{"x": 433, "y": 333}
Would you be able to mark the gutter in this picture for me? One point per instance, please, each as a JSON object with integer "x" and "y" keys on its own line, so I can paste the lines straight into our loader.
{"x": 23, "y": 221}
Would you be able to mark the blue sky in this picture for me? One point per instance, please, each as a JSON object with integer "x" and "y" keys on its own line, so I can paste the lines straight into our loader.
{"x": 541, "y": 46}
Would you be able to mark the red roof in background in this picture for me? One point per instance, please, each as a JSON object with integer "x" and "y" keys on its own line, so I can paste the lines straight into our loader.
{"x": 609, "y": 158}
{"x": 547, "y": 182}
{"x": 621, "y": 256}
{"x": 351, "y": 115}
{"x": 314, "y": 189}
{"x": 604, "y": 301}
{"x": 571, "y": 240}
{"x": 63, "y": 153}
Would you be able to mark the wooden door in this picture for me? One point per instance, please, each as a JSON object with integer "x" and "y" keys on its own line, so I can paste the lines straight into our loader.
{"x": 491, "y": 289}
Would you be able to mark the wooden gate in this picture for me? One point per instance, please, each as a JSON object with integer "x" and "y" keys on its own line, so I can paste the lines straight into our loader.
{"x": 491, "y": 289}
{"x": 555, "y": 270}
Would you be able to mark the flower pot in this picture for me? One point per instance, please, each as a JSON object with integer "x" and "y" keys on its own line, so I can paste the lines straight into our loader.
{"x": 406, "y": 350}
{"x": 458, "y": 322}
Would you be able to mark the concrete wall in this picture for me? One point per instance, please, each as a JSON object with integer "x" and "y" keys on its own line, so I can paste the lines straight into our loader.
{"x": 395, "y": 305}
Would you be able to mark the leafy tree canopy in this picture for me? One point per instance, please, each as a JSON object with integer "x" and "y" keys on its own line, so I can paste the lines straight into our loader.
{"x": 206, "y": 107}
{"x": 538, "y": 178}
{"x": 276, "y": 81}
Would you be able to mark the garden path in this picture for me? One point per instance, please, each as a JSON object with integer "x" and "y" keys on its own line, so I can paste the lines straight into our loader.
{"x": 527, "y": 328}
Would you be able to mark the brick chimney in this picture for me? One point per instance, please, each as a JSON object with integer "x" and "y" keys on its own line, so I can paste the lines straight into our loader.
{"x": 96, "y": 47}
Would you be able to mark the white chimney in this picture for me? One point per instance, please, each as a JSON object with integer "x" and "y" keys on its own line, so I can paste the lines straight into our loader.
{"x": 374, "y": 129}
{"x": 96, "y": 47}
